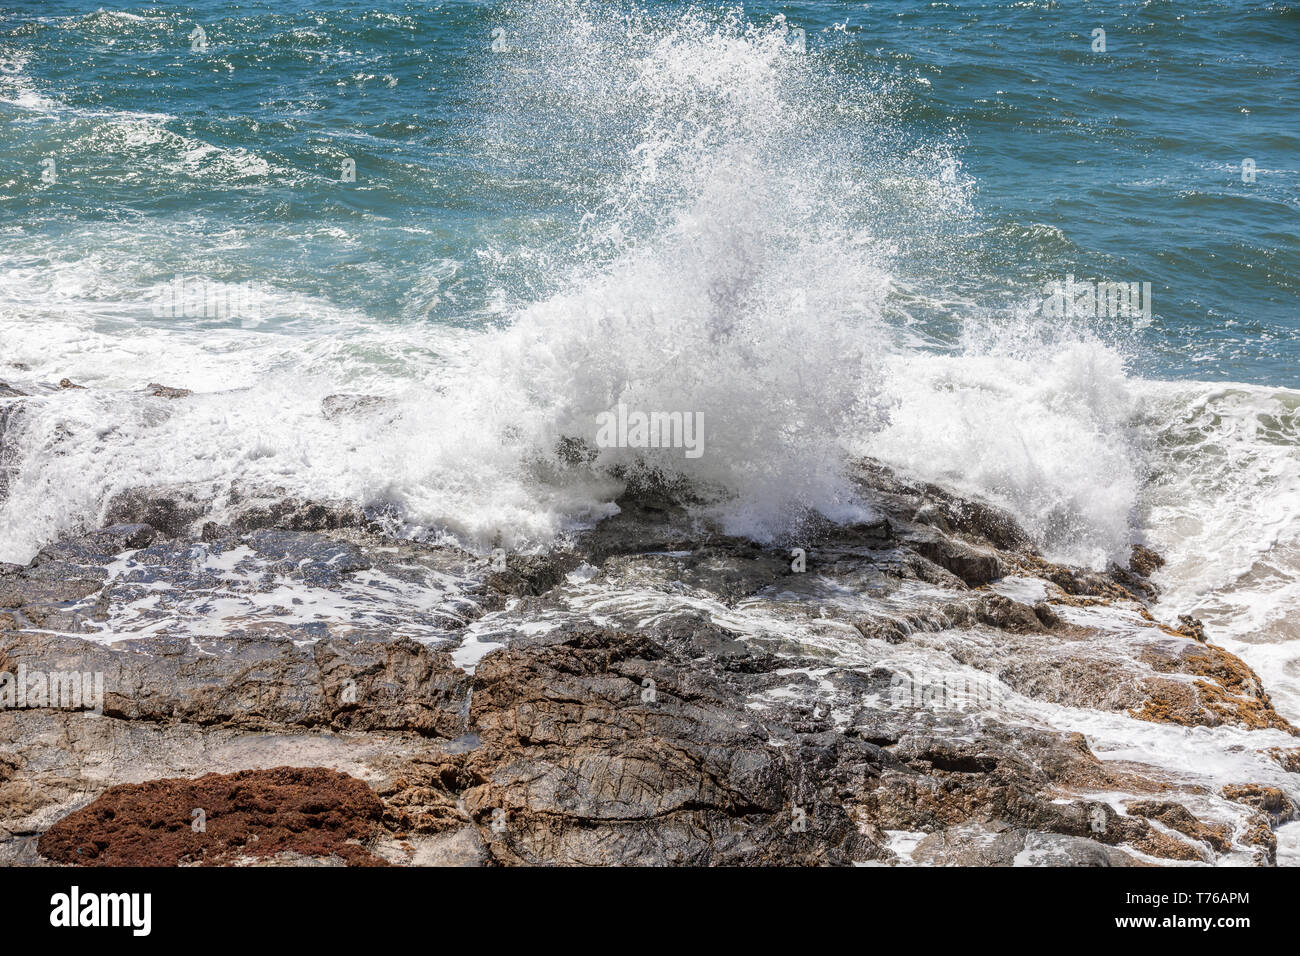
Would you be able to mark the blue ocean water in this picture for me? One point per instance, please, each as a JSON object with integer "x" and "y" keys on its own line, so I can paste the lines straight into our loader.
{"x": 223, "y": 159}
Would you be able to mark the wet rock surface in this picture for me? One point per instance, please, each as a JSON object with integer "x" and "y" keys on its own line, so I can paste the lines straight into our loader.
{"x": 900, "y": 691}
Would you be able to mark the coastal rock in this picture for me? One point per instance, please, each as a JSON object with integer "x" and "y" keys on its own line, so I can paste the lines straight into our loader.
{"x": 258, "y": 684}
{"x": 530, "y": 574}
{"x": 1145, "y": 561}
{"x": 586, "y": 766}
{"x": 1270, "y": 801}
{"x": 1177, "y": 817}
{"x": 656, "y": 692}
{"x": 171, "y": 510}
{"x": 1212, "y": 686}
{"x": 643, "y": 523}
{"x": 1002, "y": 612}
{"x": 929, "y": 504}
{"x": 291, "y": 514}
{"x": 1286, "y": 758}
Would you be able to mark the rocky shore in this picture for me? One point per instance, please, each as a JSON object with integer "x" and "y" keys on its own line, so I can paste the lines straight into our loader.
{"x": 290, "y": 685}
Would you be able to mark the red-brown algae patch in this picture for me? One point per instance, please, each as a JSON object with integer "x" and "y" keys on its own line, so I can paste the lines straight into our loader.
{"x": 221, "y": 819}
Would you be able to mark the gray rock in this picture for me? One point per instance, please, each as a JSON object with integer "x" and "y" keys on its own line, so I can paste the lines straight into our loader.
{"x": 628, "y": 714}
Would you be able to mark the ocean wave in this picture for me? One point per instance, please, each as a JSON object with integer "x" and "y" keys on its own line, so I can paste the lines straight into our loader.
{"x": 744, "y": 259}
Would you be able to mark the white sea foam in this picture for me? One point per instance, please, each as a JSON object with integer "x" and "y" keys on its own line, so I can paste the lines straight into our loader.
{"x": 1224, "y": 506}
{"x": 740, "y": 291}
{"x": 1050, "y": 435}
{"x": 16, "y": 87}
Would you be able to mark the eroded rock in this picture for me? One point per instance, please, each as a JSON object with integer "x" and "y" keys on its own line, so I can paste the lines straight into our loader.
{"x": 654, "y": 693}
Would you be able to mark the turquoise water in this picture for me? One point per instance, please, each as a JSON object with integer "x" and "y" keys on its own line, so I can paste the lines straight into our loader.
{"x": 472, "y": 185}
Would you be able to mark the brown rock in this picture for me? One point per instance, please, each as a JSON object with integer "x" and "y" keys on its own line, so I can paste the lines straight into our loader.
{"x": 1177, "y": 817}
{"x": 1009, "y": 615}
{"x": 1227, "y": 690}
{"x": 1267, "y": 800}
{"x": 1145, "y": 561}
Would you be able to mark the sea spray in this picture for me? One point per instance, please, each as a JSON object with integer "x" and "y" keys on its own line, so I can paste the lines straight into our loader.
{"x": 742, "y": 208}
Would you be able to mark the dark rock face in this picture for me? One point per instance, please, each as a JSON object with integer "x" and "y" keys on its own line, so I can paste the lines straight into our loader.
{"x": 1144, "y": 561}
{"x": 219, "y": 818}
{"x": 604, "y": 747}
{"x": 657, "y": 693}
{"x": 169, "y": 511}
{"x": 931, "y": 505}
{"x": 1177, "y": 817}
{"x": 253, "y": 684}
{"x": 975, "y": 566}
{"x": 293, "y": 515}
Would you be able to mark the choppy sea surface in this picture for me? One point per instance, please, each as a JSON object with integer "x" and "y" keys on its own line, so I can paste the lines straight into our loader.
{"x": 828, "y": 228}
